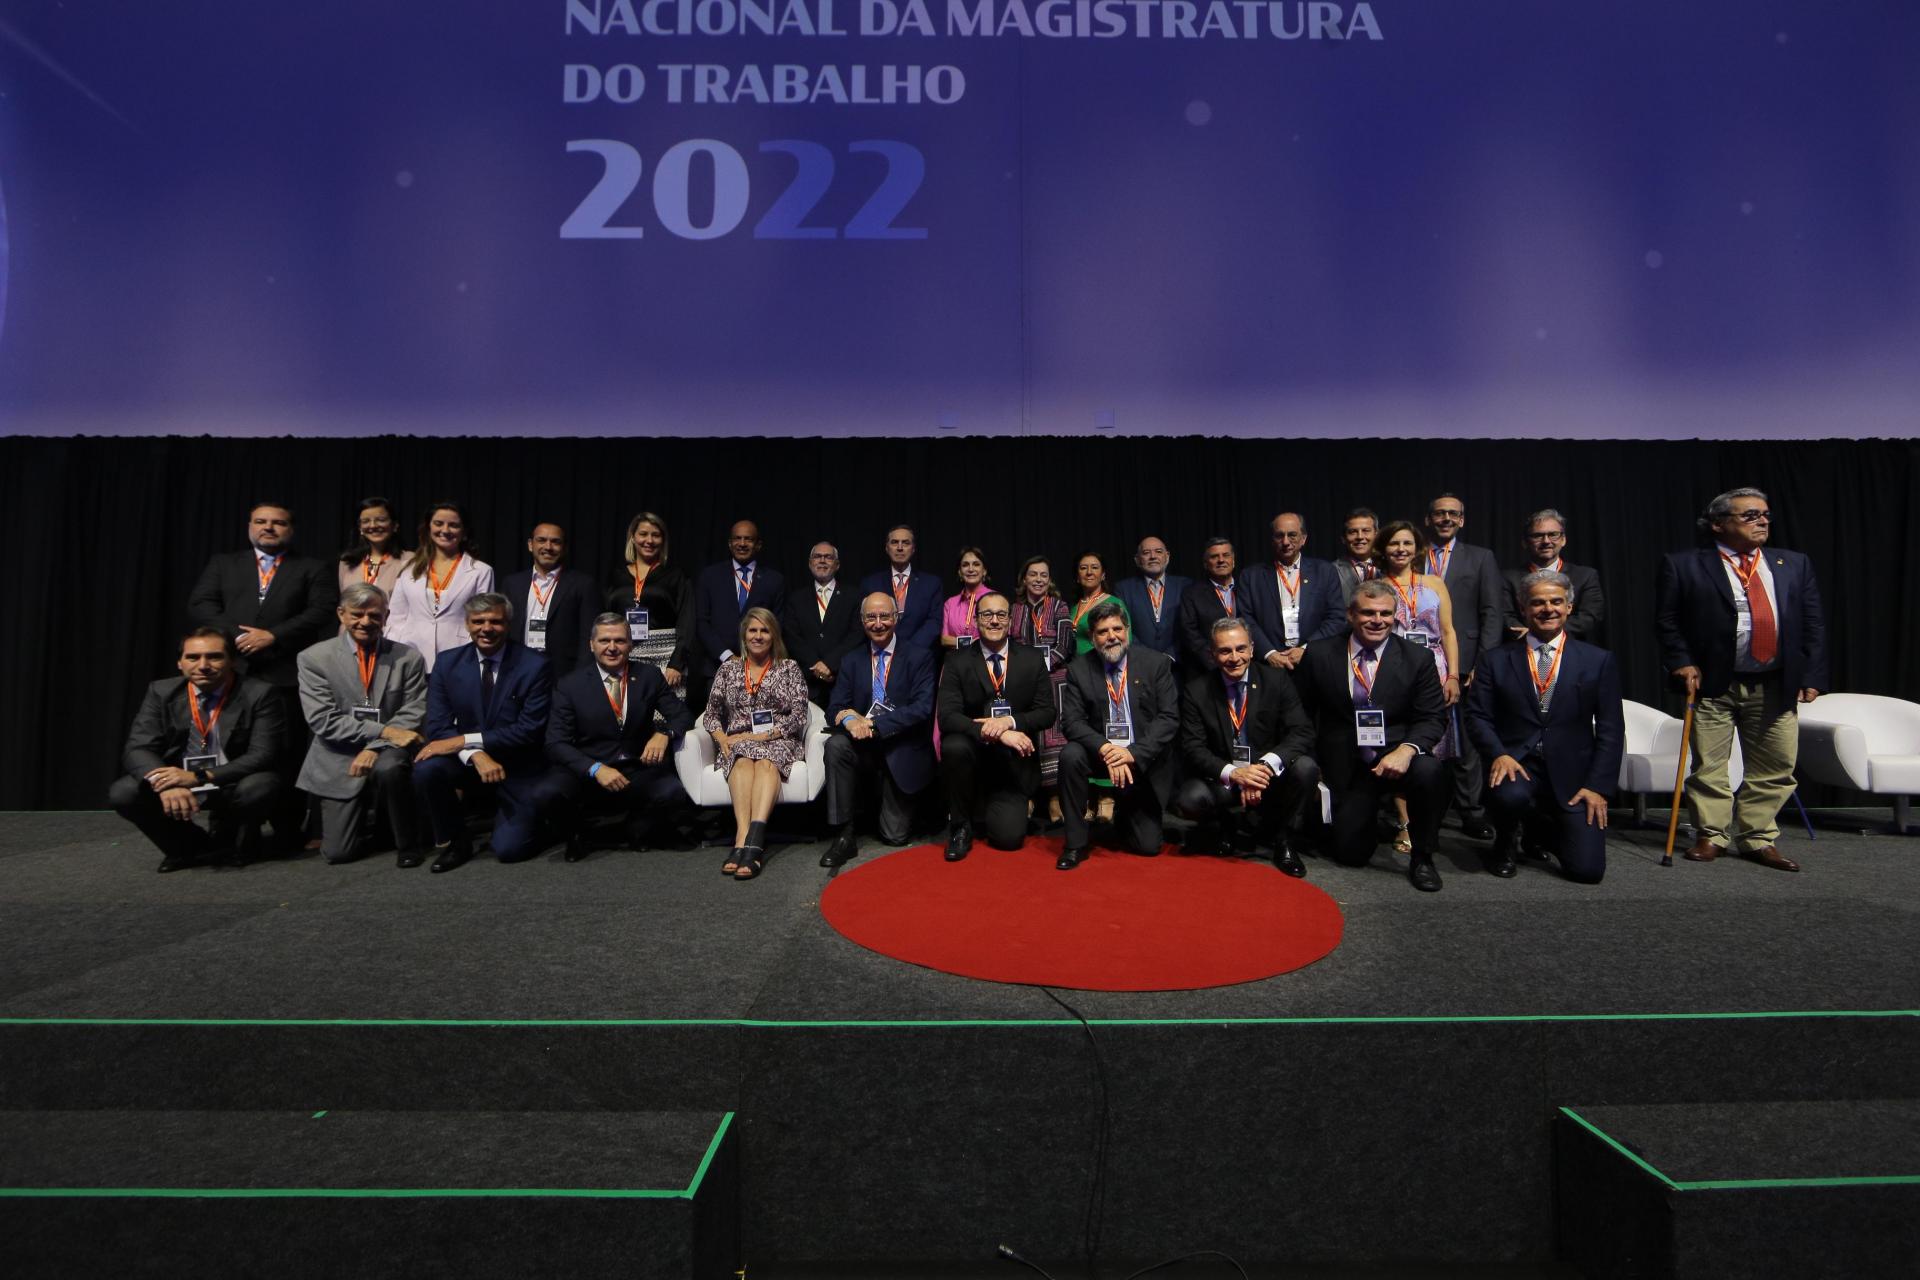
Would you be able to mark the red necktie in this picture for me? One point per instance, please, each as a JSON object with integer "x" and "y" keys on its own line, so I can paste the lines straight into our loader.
{"x": 1765, "y": 639}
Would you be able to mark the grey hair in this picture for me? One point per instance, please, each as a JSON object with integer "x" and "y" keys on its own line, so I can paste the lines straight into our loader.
{"x": 1373, "y": 588}
{"x": 488, "y": 601}
{"x": 1229, "y": 623}
{"x": 1722, "y": 507}
{"x": 828, "y": 545}
{"x": 361, "y": 594}
{"x": 1551, "y": 577}
{"x": 1546, "y": 513}
{"x": 608, "y": 620}
{"x": 1104, "y": 610}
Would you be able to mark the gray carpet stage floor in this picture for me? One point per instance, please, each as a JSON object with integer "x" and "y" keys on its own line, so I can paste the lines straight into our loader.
{"x": 92, "y": 932}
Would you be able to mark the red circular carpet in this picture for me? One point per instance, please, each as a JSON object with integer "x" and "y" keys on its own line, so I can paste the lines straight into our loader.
{"x": 1115, "y": 923}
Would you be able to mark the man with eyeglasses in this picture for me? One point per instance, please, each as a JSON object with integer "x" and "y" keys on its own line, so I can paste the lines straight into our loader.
{"x": 1742, "y": 630}
{"x": 882, "y": 708}
{"x": 1546, "y": 543}
{"x": 994, "y": 699}
{"x": 1479, "y": 595}
{"x": 822, "y": 626}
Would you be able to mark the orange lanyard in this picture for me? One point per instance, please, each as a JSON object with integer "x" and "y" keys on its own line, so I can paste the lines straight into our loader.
{"x": 999, "y": 682}
{"x": 1226, "y": 596}
{"x": 440, "y": 584}
{"x": 1239, "y": 718}
{"x": 901, "y": 584}
{"x": 205, "y": 727}
{"x": 1410, "y": 597}
{"x": 1156, "y": 592}
{"x": 371, "y": 571}
{"x": 1533, "y": 671}
{"x": 639, "y": 571}
{"x": 1039, "y": 613}
{"x": 366, "y": 662}
{"x": 1080, "y": 609}
{"x": 1291, "y": 588}
{"x": 1361, "y": 678}
{"x": 620, "y": 707}
{"x": 746, "y": 674}
{"x": 265, "y": 571}
{"x": 973, "y": 608}
{"x": 1743, "y": 568}
{"x": 820, "y": 598}
{"x": 1117, "y": 694}
{"x": 1437, "y": 560}
{"x": 543, "y": 597}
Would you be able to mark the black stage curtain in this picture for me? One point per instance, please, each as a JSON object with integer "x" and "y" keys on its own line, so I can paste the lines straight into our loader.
{"x": 110, "y": 534}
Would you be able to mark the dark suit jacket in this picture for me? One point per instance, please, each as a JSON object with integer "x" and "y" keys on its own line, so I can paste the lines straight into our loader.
{"x": 299, "y": 608}
{"x": 583, "y": 731}
{"x": 811, "y": 638}
{"x": 966, "y": 691}
{"x": 1694, "y": 613}
{"x": 905, "y": 733}
{"x": 1589, "y": 602}
{"x": 1479, "y": 597}
{"x": 1276, "y": 722}
{"x": 1162, "y": 636}
{"x": 571, "y": 609}
{"x": 1583, "y": 732}
{"x": 1322, "y": 608}
{"x": 1153, "y": 698}
{"x": 1200, "y": 608}
{"x": 1406, "y": 685}
{"x": 716, "y": 607}
{"x": 919, "y": 623}
{"x": 252, "y": 729}
{"x": 514, "y": 728}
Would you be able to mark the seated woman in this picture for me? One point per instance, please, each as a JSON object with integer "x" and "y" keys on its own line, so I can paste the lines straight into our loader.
{"x": 757, "y": 714}
{"x": 1041, "y": 619}
{"x": 957, "y": 617}
{"x": 1090, "y": 588}
{"x": 656, "y": 598}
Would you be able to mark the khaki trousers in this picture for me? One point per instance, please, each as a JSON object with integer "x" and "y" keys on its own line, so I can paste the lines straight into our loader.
{"x": 1765, "y": 715}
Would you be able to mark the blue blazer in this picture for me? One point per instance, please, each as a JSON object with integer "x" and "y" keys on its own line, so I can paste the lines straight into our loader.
{"x": 717, "y": 607}
{"x": 1162, "y": 636}
{"x": 1695, "y": 617}
{"x": 1323, "y": 610}
{"x": 919, "y": 622}
{"x": 1583, "y": 732}
{"x": 584, "y": 732}
{"x": 514, "y": 727}
{"x": 905, "y": 733}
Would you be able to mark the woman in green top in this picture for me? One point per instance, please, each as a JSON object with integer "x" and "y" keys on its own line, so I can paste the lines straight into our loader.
{"x": 1090, "y": 579}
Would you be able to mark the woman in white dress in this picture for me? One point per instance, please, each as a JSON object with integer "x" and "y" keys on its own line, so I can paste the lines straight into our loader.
{"x": 428, "y": 610}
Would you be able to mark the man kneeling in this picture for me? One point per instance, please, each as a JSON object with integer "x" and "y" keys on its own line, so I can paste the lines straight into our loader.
{"x": 1120, "y": 712}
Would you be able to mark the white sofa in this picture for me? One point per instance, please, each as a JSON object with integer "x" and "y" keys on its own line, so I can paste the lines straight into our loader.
{"x": 1866, "y": 742}
{"x": 693, "y": 761}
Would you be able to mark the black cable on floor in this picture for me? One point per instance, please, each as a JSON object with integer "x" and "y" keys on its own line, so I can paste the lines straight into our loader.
{"x": 1097, "y": 1192}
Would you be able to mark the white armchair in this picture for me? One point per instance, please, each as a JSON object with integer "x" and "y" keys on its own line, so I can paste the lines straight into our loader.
{"x": 1865, "y": 742}
{"x": 693, "y": 761}
{"x": 1652, "y": 756}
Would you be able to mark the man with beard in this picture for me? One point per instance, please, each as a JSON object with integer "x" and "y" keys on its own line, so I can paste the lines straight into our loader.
{"x": 1120, "y": 712}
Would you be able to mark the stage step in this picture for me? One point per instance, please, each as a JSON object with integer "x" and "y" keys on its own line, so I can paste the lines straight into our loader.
{"x": 1760, "y": 1189}
{"x": 369, "y": 1193}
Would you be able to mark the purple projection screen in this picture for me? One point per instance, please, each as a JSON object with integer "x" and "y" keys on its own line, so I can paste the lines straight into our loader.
{"x": 1460, "y": 218}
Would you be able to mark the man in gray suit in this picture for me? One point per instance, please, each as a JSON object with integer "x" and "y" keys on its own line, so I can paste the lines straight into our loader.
{"x": 1479, "y": 598}
{"x": 365, "y": 698}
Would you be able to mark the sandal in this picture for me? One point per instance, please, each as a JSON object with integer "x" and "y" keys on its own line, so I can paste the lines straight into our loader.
{"x": 1403, "y": 842}
{"x": 732, "y": 864}
{"x": 752, "y": 860}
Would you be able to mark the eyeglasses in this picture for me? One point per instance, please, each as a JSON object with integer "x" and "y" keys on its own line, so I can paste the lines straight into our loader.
{"x": 993, "y": 615}
{"x": 1448, "y": 513}
{"x": 1546, "y": 537}
{"x": 1752, "y": 517}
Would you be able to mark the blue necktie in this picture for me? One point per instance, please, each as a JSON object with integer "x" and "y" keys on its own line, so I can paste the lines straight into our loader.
{"x": 743, "y": 585}
{"x": 1240, "y": 711}
{"x": 879, "y": 689}
{"x": 994, "y": 658}
{"x": 486, "y": 689}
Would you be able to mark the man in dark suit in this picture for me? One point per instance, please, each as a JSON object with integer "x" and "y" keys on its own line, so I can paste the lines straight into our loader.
{"x": 1153, "y": 599}
{"x": 1298, "y": 601}
{"x": 724, "y": 592}
{"x": 1378, "y": 713}
{"x": 994, "y": 700}
{"x": 271, "y": 604}
{"x": 1245, "y": 739}
{"x": 1546, "y": 711}
{"x": 916, "y": 595}
{"x": 1220, "y": 595}
{"x": 553, "y": 609}
{"x": 822, "y": 626}
{"x": 1742, "y": 629}
{"x": 487, "y": 705}
{"x": 1120, "y": 712}
{"x": 1358, "y": 532}
{"x": 882, "y": 708}
{"x": 1479, "y": 595}
{"x": 1546, "y": 539}
{"x": 204, "y": 739}
{"x": 610, "y": 740}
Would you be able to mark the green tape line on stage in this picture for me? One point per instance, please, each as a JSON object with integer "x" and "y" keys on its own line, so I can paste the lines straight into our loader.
{"x": 713, "y": 1149}
{"x": 1738, "y": 1184}
{"x": 946, "y": 1023}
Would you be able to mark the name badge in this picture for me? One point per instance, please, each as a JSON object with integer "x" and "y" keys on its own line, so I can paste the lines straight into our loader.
{"x": 367, "y": 713}
{"x": 1119, "y": 732}
{"x": 636, "y": 624}
{"x": 194, "y": 764}
{"x": 762, "y": 720}
{"x": 963, "y": 642}
{"x": 1241, "y": 753}
{"x": 1370, "y": 727}
{"x": 1421, "y": 638}
{"x": 537, "y": 634}
{"x": 879, "y": 705}
{"x": 1000, "y": 708}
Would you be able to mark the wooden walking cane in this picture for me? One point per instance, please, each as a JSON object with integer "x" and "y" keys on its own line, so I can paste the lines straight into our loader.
{"x": 1679, "y": 781}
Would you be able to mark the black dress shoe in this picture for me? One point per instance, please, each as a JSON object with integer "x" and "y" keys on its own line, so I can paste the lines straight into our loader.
{"x": 576, "y": 850}
{"x": 844, "y": 846}
{"x": 1422, "y": 874}
{"x": 1069, "y": 859}
{"x": 1203, "y": 840}
{"x": 1289, "y": 862}
{"x": 452, "y": 856}
{"x": 409, "y": 857}
{"x": 959, "y": 841}
{"x": 1499, "y": 860}
{"x": 176, "y": 862}
{"x": 1476, "y": 828}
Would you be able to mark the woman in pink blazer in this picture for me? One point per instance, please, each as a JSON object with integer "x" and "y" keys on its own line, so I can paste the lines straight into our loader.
{"x": 430, "y": 596}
